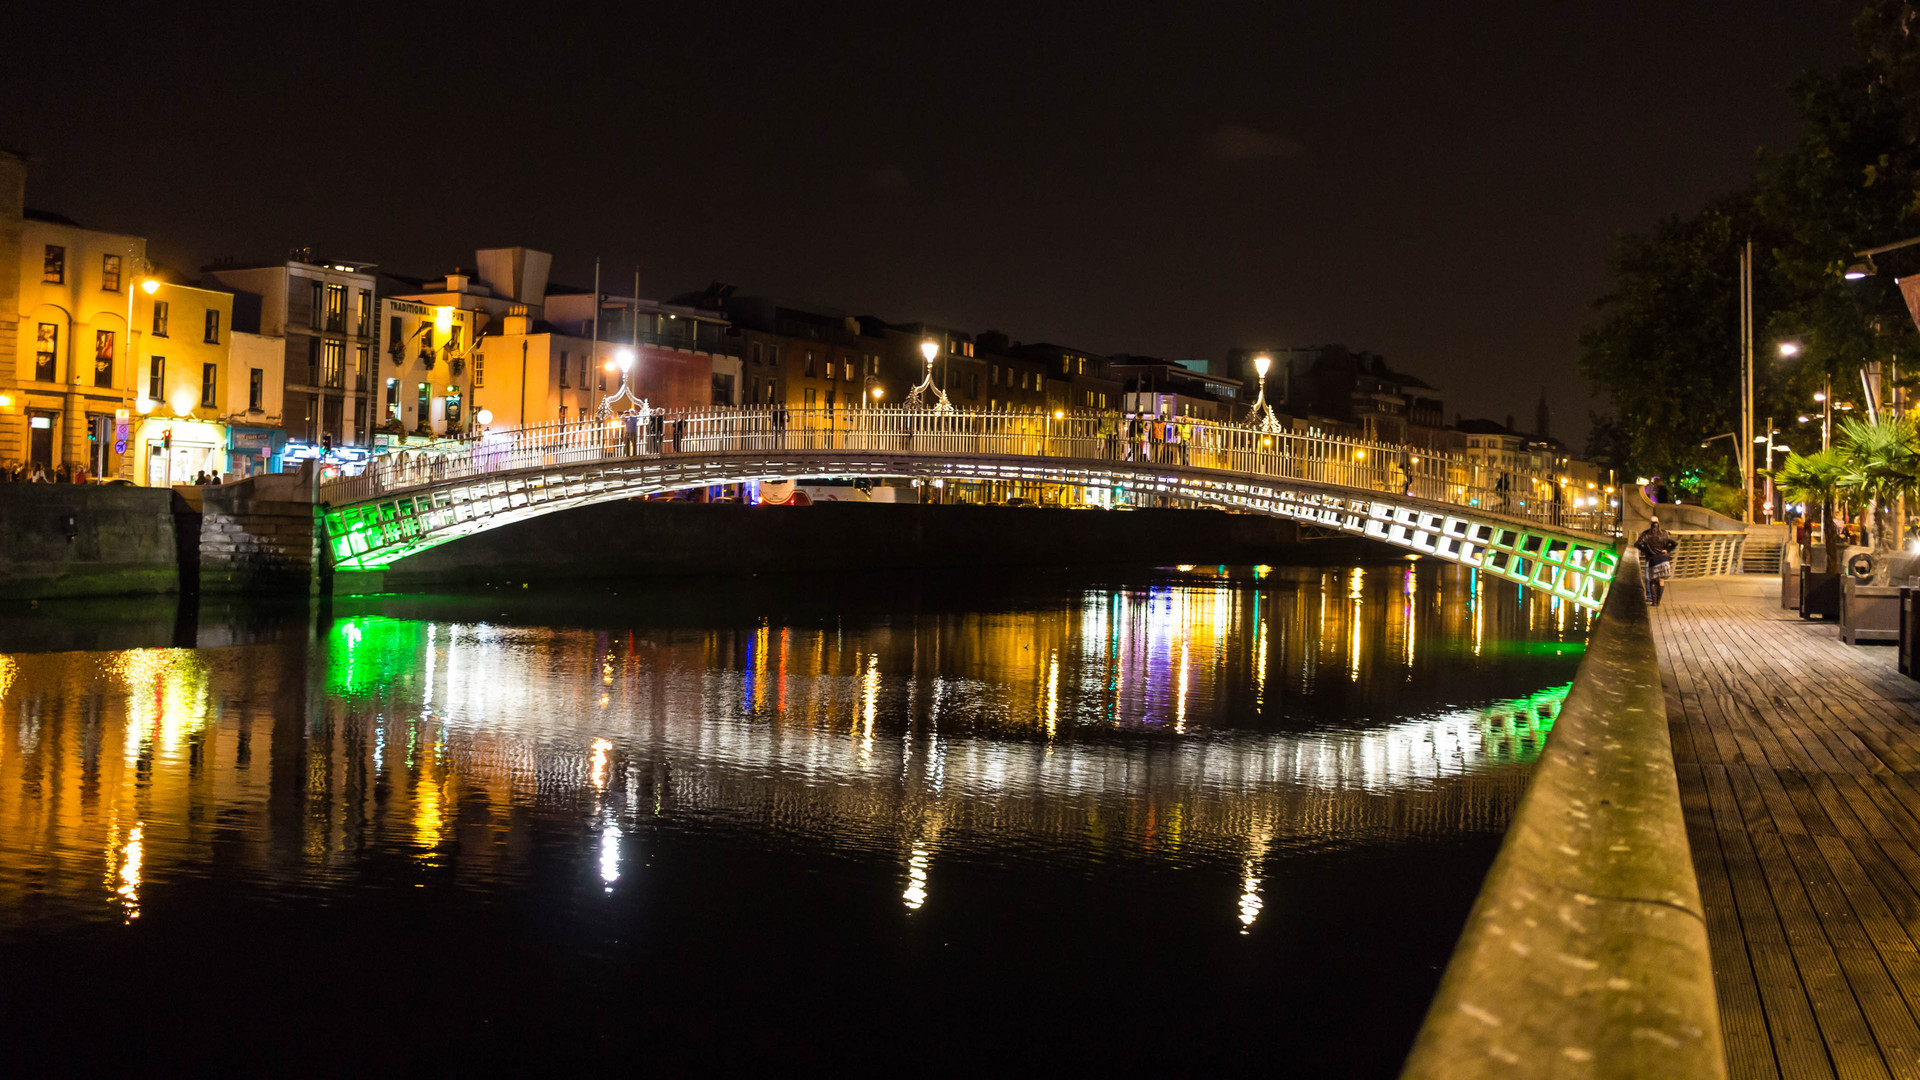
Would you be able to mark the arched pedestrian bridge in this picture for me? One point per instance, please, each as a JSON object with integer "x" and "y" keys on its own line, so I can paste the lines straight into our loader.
{"x": 1516, "y": 525}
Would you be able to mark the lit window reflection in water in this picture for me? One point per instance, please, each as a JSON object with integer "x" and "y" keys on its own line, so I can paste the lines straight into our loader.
{"x": 1192, "y": 720}
{"x": 916, "y": 894}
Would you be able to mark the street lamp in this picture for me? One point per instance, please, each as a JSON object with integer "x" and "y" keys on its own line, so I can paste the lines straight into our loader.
{"x": 484, "y": 417}
{"x": 1789, "y": 348}
{"x": 1261, "y": 417}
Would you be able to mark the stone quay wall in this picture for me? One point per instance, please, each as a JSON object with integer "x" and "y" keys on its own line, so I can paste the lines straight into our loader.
{"x": 263, "y": 534}
{"x": 89, "y": 540}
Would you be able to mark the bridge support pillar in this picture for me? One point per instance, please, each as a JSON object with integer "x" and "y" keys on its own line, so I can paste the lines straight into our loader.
{"x": 261, "y": 535}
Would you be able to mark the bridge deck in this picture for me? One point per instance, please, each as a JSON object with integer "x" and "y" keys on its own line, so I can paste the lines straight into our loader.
{"x": 1799, "y": 768}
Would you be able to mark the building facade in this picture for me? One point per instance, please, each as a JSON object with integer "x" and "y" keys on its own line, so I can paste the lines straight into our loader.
{"x": 68, "y": 392}
{"x": 181, "y": 396}
{"x": 323, "y": 312}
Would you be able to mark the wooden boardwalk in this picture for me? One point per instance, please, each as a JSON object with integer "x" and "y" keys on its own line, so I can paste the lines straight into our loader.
{"x": 1799, "y": 767}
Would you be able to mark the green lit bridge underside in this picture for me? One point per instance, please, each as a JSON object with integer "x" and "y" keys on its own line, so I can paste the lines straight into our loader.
{"x": 373, "y": 532}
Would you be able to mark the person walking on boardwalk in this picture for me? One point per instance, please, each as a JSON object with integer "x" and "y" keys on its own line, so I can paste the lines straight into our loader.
{"x": 1656, "y": 551}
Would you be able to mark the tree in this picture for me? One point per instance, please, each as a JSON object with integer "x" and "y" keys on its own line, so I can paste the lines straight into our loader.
{"x": 1814, "y": 480}
{"x": 1880, "y": 463}
{"x": 1666, "y": 349}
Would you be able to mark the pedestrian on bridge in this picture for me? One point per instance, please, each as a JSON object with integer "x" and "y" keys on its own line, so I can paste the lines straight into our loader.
{"x": 1185, "y": 435}
{"x": 630, "y": 433}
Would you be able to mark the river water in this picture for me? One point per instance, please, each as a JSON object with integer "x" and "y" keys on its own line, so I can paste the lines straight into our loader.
{"x": 1192, "y": 818}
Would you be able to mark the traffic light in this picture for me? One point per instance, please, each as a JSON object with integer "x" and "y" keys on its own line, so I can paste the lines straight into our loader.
{"x": 166, "y": 439}
{"x": 326, "y": 445}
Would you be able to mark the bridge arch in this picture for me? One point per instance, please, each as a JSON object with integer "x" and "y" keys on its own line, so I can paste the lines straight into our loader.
{"x": 399, "y": 507}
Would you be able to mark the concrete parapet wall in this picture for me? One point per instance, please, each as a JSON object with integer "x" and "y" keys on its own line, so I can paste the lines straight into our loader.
{"x": 1586, "y": 953}
{"x": 86, "y": 540}
{"x": 258, "y": 535}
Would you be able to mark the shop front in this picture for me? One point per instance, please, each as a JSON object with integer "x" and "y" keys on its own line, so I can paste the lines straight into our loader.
{"x": 253, "y": 450}
{"x": 176, "y": 451}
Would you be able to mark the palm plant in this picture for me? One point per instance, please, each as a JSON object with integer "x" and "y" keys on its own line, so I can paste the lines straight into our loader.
{"x": 1880, "y": 464}
{"x": 1814, "y": 480}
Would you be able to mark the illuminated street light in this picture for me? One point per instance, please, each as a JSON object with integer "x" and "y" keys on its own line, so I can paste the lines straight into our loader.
{"x": 1789, "y": 348}
{"x": 929, "y": 349}
{"x": 624, "y": 358}
{"x": 1860, "y": 270}
{"x": 1819, "y": 395}
{"x": 150, "y": 286}
{"x": 484, "y": 417}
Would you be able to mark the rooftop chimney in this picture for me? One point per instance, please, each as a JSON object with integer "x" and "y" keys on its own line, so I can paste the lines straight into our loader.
{"x": 517, "y": 321}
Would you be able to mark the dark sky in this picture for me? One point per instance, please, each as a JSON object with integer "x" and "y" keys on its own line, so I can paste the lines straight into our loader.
{"x": 1438, "y": 182}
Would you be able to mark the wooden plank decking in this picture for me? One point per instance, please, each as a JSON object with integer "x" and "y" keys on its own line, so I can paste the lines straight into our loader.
{"x": 1799, "y": 767}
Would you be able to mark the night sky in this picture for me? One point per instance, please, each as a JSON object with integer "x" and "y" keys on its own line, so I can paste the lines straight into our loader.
{"x": 1437, "y": 182}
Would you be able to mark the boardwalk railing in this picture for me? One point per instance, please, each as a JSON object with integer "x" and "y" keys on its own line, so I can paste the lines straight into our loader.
{"x": 1078, "y": 436}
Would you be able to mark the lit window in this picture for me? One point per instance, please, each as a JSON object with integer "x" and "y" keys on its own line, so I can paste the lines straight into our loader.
{"x": 53, "y": 271}
{"x": 160, "y": 318}
{"x": 110, "y": 273}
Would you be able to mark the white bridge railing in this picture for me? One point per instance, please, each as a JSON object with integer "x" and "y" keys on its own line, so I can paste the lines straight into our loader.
{"x": 1085, "y": 438}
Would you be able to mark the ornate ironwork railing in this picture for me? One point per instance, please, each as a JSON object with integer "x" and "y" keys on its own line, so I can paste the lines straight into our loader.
{"x": 1359, "y": 465}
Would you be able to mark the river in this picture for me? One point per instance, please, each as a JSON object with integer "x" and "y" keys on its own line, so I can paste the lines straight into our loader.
{"x": 1194, "y": 818}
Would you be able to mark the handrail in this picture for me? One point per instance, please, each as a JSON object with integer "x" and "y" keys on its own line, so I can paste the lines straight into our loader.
{"x": 1586, "y": 953}
{"x": 1078, "y": 435}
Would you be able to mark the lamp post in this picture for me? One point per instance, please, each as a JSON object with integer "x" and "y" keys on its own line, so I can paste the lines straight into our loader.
{"x": 1261, "y": 417}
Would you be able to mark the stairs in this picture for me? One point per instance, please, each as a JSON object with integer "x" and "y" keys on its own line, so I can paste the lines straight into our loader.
{"x": 1763, "y": 550}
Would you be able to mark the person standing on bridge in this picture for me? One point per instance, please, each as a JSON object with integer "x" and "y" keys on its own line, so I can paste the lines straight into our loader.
{"x": 630, "y": 432}
{"x": 1186, "y": 440}
{"x": 1656, "y": 546}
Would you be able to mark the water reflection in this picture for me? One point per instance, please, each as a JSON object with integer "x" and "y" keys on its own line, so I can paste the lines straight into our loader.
{"x": 1191, "y": 720}
{"x": 1237, "y": 724}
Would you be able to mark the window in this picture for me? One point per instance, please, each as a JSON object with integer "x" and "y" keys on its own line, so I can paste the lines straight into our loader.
{"x": 310, "y": 424}
{"x": 755, "y": 352}
{"x": 810, "y": 393}
{"x": 54, "y": 270}
{"x": 846, "y": 370}
{"x": 213, "y": 327}
{"x": 395, "y": 339}
{"x": 159, "y": 318}
{"x": 393, "y": 399}
{"x": 810, "y": 369}
{"x": 363, "y": 317}
{"x": 313, "y": 310}
{"x": 359, "y": 367}
{"x": 157, "y": 379}
{"x": 313, "y": 361}
{"x": 336, "y": 307}
{"x": 333, "y": 359}
{"x": 479, "y": 370}
{"x": 256, "y": 389}
{"x": 773, "y": 354}
{"x": 564, "y": 385}
{"x": 110, "y": 273}
{"x": 422, "y": 410}
{"x": 46, "y": 352}
{"x": 722, "y": 390}
{"x": 209, "y": 382}
{"x": 103, "y": 357}
{"x": 994, "y": 378}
